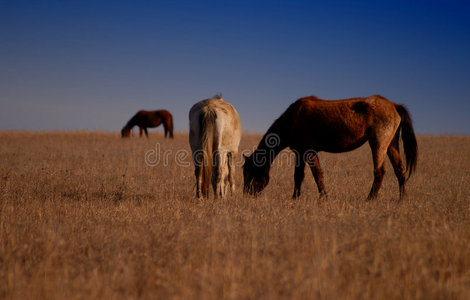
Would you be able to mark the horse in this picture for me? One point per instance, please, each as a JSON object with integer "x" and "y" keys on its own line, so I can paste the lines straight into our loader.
{"x": 149, "y": 119}
{"x": 214, "y": 136}
{"x": 310, "y": 125}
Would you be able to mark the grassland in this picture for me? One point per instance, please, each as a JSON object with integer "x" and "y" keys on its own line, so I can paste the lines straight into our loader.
{"x": 83, "y": 216}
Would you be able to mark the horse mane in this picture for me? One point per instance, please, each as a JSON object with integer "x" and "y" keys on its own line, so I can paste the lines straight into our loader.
{"x": 133, "y": 121}
{"x": 279, "y": 128}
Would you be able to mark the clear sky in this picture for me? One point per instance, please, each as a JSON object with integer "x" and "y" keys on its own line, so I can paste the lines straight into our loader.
{"x": 67, "y": 65}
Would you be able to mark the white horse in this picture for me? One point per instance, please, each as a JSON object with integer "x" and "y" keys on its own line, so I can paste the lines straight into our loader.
{"x": 214, "y": 134}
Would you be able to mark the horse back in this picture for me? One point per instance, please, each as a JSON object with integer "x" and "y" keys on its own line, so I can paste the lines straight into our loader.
{"x": 230, "y": 129}
{"x": 151, "y": 118}
{"x": 339, "y": 125}
{"x": 227, "y": 133}
{"x": 227, "y": 125}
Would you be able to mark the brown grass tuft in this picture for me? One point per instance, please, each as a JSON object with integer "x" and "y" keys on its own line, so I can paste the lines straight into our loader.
{"x": 83, "y": 216}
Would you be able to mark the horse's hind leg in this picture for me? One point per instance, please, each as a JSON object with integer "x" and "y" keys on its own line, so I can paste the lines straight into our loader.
{"x": 299, "y": 174}
{"x": 231, "y": 172}
{"x": 221, "y": 169}
{"x": 314, "y": 164}
{"x": 140, "y": 131}
{"x": 394, "y": 156}
{"x": 198, "y": 175}
{"x": 168, "y": 126}
{"x": 378, "y": 156}
{"x": 146, "y": 132}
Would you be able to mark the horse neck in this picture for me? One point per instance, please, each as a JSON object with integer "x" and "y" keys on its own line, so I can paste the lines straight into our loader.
{"x": 129, "y": 126}
{"x": 272, "y": 143}
{"x": 132, "y": 122}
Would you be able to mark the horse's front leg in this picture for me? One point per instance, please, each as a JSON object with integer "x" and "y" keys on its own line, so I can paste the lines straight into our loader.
{"x": 314, "y": 164}
{"x": 299, "y": 174}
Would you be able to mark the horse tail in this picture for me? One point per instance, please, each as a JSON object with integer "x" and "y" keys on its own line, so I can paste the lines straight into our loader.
{"x": 207, "y": 125}
{"x": 409, "y": 138}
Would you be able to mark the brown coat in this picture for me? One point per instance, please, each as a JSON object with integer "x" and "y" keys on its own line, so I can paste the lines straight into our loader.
{"x": 149, "y": 119}
{"x": 310, "y": 125}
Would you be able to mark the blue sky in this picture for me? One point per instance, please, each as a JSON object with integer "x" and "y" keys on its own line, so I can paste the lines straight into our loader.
{"x": 67, "y": 65}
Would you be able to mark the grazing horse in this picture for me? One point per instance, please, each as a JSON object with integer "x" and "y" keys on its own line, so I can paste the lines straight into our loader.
{"x": 214, "y": 135}
{"x": 311, "y": 125}
{"x": 149, "y": 119}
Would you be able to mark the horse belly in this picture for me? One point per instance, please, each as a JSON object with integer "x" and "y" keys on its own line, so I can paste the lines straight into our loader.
{"x": 343, "y": 146}
{"x": 154, "y": 123}
{"x": 342, "y": 140}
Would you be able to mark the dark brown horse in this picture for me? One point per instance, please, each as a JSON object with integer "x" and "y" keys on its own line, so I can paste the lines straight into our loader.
{"x": 149, "y": 119}
{"x": 311, "y": 125}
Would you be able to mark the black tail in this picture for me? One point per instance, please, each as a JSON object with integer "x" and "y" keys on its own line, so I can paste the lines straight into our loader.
{"x": 409, "y": 139}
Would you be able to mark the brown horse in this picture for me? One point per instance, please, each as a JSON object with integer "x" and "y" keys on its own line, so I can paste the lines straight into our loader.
{"x": 149, "y": 119}
{"x": 311, "y": 125}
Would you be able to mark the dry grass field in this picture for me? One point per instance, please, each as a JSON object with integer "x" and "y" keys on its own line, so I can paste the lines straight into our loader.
{"x": 82, "y": 215}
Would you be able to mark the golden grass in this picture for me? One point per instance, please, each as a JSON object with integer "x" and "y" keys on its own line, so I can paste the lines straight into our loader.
{"x": 83, "y": 216}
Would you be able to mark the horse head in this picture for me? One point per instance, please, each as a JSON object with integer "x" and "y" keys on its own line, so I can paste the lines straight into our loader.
{"x": 125, "y": 132}
{"x": 255, "y": 176}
